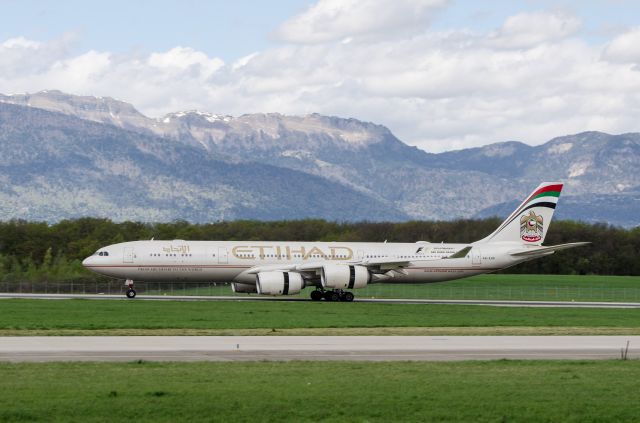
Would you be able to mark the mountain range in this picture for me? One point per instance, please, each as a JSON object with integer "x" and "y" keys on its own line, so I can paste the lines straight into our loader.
{"x": 65, "y": 156}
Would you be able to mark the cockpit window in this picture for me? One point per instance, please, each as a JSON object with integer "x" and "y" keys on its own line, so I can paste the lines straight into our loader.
{"x": 103, "y": 253}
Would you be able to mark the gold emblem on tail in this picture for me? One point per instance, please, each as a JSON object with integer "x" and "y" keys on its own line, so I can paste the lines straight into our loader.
{"x": 531, "y": 227}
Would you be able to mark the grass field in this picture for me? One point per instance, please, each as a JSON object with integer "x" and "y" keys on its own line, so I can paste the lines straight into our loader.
{"x": 507, "y": 287}
{"x": 485, "y": 287}
{"x": 518, "y": 287}
{"x": 69, "y": 317}
{"x": 515, "y": 391}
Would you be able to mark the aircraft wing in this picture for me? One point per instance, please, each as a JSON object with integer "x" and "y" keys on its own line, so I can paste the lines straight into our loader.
{"x": 293, "y": 267}
{"x": 271, "y": 268}
{"x": 546, "y": 250}
{"x": 392, "y": 263}
{"x": 384, "y": 264}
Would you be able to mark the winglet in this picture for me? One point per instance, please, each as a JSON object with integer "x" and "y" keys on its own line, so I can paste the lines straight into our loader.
{"x": 460, "y": 254}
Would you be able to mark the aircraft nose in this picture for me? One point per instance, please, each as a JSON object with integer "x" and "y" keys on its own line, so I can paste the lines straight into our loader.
{"x": 88, "y": 261}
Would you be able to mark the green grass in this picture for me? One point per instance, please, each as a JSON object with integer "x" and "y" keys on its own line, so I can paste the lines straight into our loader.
{"x": 318, "y": 391}
{"x": 519, "y": 287}
{"x": 489, "y": 287}
{"x": 24, "y": 315}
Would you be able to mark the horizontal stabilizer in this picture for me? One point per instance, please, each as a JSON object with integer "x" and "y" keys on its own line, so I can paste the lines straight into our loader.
{"x": 546, "y": 250}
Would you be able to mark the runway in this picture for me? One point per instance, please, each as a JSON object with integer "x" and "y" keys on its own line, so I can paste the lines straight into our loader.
{"x": 501, "y": 303}
{"x": 286, "y": 348}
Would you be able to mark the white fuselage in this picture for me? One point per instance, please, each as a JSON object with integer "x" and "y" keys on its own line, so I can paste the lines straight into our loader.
{"x": 285, "y": 268}
{"x": 231, "y": 261}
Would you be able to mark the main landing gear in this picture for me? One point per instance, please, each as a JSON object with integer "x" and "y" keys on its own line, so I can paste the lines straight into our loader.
{"x": 334, "y": 295}
{"x": 131, "y": 293}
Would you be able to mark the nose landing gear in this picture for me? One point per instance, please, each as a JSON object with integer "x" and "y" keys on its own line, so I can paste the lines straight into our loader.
{"x": 131, "y": 293}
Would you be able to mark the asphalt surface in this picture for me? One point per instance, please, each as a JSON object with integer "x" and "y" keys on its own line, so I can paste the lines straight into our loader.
{"x": 286, "y": 348}
{"x": 503, "y": 303}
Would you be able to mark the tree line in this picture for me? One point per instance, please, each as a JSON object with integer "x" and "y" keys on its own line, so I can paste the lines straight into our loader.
{"x": 37, "y": 251}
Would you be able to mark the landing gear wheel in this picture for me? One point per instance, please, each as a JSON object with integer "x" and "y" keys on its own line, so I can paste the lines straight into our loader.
{"x": 331, "y": 296}
{"x": 316, "y": 295}
{"x": 346, "y": 297}
{"x": 131, "y": 293}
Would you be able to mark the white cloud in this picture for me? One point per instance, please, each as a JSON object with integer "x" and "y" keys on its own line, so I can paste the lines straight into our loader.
{"x": 20, "y": 56}
{"x": 83, "y": 70}
{"x": 531, "y": 79}
{"x": 181, "y": 59}
{"x": 20, "y": 42}
{"x": 531, "y": 29}
{"x": 625, "y": 48}
{"x": 332, "y": 20}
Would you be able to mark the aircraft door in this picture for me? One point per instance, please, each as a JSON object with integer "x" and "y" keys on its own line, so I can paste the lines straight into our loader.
{"x": 476, "y": 257}
{"x": 128, "y": 255}
{"x": 223, "y": 256}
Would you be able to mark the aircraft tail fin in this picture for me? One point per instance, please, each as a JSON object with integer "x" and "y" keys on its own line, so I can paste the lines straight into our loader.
{"x": 528, "y": 224}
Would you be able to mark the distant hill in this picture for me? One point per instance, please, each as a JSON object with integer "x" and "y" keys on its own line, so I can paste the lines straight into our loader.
{"x": 65, "y": 156}
{"x": 54, "y": 166}
{"x": 620, "y": 209}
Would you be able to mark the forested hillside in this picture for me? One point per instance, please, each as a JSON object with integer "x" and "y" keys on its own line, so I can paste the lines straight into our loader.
{"x": 35, "y": 251}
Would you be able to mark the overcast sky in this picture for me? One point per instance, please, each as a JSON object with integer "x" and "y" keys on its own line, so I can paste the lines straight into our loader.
{"x": 440, "y": 74}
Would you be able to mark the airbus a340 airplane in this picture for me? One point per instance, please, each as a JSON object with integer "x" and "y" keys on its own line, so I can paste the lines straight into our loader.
{"x": 331, "y": 268}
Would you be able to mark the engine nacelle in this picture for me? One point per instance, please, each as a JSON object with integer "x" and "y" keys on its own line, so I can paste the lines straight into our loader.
{"x": 244, "y": 288}
{"x": 343, "y": 276}
{"x": 279, "y": 283}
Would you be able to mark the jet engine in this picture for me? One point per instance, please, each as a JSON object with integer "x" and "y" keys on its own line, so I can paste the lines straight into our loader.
{"x": 244, "y": 288}
{"x": 279, "y": 283}
{"x": 342, "y": 276}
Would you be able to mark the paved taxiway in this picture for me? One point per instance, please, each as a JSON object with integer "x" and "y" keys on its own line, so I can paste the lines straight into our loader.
{"x": 284, "y": 348}
{"x": 502, "y": 303}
